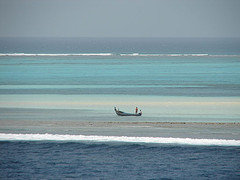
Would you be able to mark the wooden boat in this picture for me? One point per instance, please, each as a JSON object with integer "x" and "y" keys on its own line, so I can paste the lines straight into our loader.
{"x": 120, "y": 113}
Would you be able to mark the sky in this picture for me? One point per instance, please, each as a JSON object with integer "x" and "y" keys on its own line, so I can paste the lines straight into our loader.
{"x": 119, "y": 18}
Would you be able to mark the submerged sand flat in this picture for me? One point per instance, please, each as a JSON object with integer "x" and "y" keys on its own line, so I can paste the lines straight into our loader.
{"x": 152, "y": 106}
{"x": 142, "y": 129}
{"x": 186, "y": 117}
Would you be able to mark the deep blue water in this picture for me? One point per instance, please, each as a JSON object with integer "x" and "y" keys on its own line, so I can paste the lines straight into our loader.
{"x": 222, "y": 46}
{"x": 72, "y": 160}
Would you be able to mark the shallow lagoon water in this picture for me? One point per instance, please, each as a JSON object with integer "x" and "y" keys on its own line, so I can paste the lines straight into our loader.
{"x": 38, "y": 90}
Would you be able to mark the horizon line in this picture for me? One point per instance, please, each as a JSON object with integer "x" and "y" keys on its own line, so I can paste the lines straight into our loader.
{"x": 115, "y": 37}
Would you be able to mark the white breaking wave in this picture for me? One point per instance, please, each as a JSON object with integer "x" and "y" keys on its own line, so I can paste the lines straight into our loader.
{"x": 171, "y": 55}
{"x": 177, "y": 55}
{"x": 93, "y": 138}
{"x": 81, "y": 54}
{"x": 111, "y": 54}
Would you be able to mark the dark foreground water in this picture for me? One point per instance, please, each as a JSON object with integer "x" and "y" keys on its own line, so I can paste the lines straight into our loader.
{"x": 75, "y": 160}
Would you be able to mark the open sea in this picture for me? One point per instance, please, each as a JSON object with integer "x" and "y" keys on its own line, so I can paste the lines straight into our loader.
{"x": 57, "y": 99}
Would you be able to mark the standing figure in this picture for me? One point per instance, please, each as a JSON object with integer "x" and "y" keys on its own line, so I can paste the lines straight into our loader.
{"x": 136, "y": 110}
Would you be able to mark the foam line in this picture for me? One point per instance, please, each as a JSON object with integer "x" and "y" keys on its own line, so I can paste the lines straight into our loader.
{"x": 177, "y": 55}
{"x": 81, "y": 54}
{"x": 157, "y": 140}
{"x": 121, "y": 54}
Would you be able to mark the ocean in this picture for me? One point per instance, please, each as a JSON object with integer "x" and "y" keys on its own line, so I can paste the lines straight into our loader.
{"x": 57, "y": 99}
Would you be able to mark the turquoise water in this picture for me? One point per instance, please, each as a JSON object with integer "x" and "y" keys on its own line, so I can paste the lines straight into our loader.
{"x": 162, "y": 76}
{"x": 201, "y": 88}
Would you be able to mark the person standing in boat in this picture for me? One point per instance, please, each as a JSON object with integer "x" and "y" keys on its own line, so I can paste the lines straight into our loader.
{"x": 136, "y": 110}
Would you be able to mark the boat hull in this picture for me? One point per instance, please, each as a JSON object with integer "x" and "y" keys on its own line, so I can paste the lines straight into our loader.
{"x": 120, "y": 113}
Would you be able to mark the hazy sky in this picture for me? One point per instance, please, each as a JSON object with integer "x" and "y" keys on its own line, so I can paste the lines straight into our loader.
{"x": 119, "y": 18}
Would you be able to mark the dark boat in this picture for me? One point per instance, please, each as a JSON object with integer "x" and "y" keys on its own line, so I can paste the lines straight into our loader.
{"x": 120, "y": 113}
